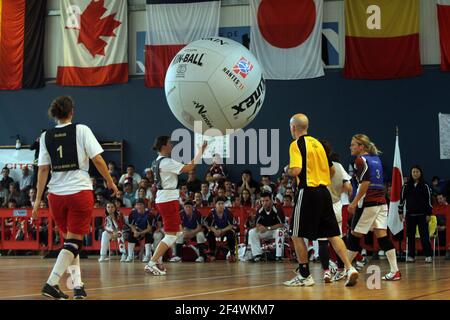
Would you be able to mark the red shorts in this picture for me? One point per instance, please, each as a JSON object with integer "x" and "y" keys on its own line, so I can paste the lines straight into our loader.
{"x": 170, "y": 214}
{"x": 73, "y": 212}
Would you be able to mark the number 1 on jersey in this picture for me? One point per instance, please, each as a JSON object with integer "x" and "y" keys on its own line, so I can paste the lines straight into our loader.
{"x": 60, "y": 150}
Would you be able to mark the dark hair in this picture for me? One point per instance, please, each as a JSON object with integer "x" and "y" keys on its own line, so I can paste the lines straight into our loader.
{"x": 288, "y": 196}
{"x": 140, "y": 200}
{"x": 223, "y": 199}
{"x": 61, "y": 107}
{"x": 130, "y": 166}
{"x": 265, "y": 194}
{"x": 118, "y": 200}
{"x": 188, "y": 203}
{"x": 327, "y": 147}
{"x": 421, "y": 179}
{"x": 159, "y": 142}
{"x": 12, "y": 201}
{"x": 436, "y": 178}
{"x": 247, "y": 171}
{"x": 265, "y": 176}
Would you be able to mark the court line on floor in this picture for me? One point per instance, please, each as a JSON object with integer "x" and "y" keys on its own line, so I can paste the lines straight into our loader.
{"x": 217, "y": 291}
{"x": 150, "y": 284}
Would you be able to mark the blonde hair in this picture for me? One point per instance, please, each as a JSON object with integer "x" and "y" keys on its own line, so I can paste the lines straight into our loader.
{"x": 369, "y": 146}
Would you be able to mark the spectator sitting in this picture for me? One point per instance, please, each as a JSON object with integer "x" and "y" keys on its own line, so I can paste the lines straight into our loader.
{"x": 265, "y": 181}
{"x": 131, "y": 177}
{"x": 218, "y": 171}
{"x": 192, "y": 231}
{"x": 269, "y": 225}
{"x": 118, "y": 202}
{"x": 436, "y": 185}
{"x": 114, "y": 223}
{"x": 206, "y": 193}
{"x": 246, "y": 199}
{"x": 3, "y": 195}
{"x": 29, "y": 202}
{"x": 442, "y": 212}
{"x": 221, "y": 225}
{"x": 101, "y": 199}
{"x": 125, "y": 201}
{"x": 6, "y": 180}
{"x": 250, "y": 223}
{"x": 141, "y": 223}
{"x": 230, "y": 187}
{"x": 248, "y": 183}
{"x": 221, "y": 194}
{"x": 14, "y": 194}
{"x": 97, "y": 204}
{"x": 128, "y": 192}
{"x": 142, "y": 194}
{"x": 193, "y": 183}
{"x": 27, "y": 179}
{"x": 198, "y": 200}
{"x": 145, "y": 184}
{"x": 112, "y": 168}
{"x": 184, "y": 194}
{"x": 150, "y": 176}
{"x": 287, "y": 201}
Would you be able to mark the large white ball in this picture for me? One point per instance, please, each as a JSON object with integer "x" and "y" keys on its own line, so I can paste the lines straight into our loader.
{"x": 216, "y": 81}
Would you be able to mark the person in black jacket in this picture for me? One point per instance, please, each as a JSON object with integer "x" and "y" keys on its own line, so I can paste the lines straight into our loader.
{"x": 415, "y": 202}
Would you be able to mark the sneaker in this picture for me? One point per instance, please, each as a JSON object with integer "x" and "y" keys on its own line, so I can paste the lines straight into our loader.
{"x": 123, "y": 258}
{"x": 410, "y": 259}
{"x": 79, "y": 293}
{"x": 200, "y": 259}
{"x": 364, "y": 252}
{"x": 352, "y": 277}
{"x": 333, "y": 267}
{"x": 146, "y": 259}
{"x": 381, "y": 254}
{"x": 359, "y": 265}
{"x": 429, "y": 260}
{"x": 129, "y": 259}
{"x": 327, "y": 276}
{"x": 154, "y": 269}
{"x": 53, "y": 292}
{"x": 299, "y": 281}
{"x": 103, "y": 259}
{"x": 339, "y": 275}
{"x": 392, "y": 276}
{"x": 278, "y": 259}
{"x": 232, "y": 258}
{"x": 175, "y": 259}
{"x": 257, "y": 258}
{"x": 161, "y": 267}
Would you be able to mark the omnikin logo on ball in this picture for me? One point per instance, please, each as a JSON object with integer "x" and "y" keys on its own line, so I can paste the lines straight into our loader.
{"x": 243, "y": 67}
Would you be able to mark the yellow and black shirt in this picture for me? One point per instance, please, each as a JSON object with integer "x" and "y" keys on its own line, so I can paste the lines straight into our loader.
{"x": 308, "y": 154}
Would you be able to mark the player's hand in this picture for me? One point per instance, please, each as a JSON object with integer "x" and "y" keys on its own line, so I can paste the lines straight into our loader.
{"x": 204, "y": 146}
{"x": 352, "y": 208}
{"x": 402, "y": 217}
{"x": 34, "y": 214}
{"x": 113, "y": 187}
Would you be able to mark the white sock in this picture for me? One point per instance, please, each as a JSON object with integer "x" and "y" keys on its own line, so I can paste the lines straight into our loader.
{"x": 131, "y": 250}
{"x": 160, "y": 260}
{"x": 148, "y": 250}
{"x": 392, "y": 258}
{"x": 75, "y": 273}
{"x": 351, "y": 255}
{"x": 65, "y": 258}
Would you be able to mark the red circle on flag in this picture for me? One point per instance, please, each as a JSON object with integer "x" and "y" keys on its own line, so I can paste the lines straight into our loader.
{"x": 286, "y": 23}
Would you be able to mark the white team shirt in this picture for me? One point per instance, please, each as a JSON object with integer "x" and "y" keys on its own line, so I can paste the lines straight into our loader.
{"x": 336, "y": 182}
{"x": 169, "y": 170}
{"x": 70, "y": 182}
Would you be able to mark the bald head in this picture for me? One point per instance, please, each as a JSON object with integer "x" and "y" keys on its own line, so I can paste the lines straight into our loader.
{"x": 300, "y": 122}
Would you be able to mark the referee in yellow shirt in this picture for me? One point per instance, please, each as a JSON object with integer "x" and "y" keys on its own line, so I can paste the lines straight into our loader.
{"x": 313, "y": 216}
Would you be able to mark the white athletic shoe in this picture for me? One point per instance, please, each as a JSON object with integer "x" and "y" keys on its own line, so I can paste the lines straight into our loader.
{"x": 333, "y": 267}
{"x": 299, "y": 281}
{"x": 327, "y": 277}
{"x": 339, "y": 275}
{"x": 129, "y": 259}
{"x": 429, "y": 260}
{"x": 123, "y": 258}
{"x": 154, "y": 269}
{"x": 200, "y": 259}
{"x": 146, "y": 259}
{"x": 410, "y": 259}
{"x": 352, "y": 277}
{"x": 103, "y": 259}
{"x": 175, "y": 259}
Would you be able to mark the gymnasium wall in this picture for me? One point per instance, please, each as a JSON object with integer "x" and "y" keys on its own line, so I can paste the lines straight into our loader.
{"x": 338, "y": 108}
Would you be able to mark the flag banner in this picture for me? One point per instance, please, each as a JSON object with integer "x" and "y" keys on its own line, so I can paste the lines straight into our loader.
{"x": 444, "y": 135}
{"x": 381, "y": 39}
{"x": 95, "y": 49}
{"x": 443, "y": 11}
{"x": 172, "y": 24}
{"x": 394, "y": 222}
{"x": 288, "y": 46}
{"x": 22, "y": 28}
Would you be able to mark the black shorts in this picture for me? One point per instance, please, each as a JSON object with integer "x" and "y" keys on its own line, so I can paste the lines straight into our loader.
{"x": 313, "y": 216}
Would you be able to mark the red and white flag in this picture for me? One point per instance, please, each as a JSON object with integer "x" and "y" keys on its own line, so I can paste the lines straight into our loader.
{"x": 394, "y": 222}
{"x": 172, "y": 24}
{"x": 286, "y": 37}
{"x": 443, "y": 11}
{"x": 95, "y": 47}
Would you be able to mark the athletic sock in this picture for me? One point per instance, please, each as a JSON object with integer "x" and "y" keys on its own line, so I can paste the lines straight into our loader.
{"x": 75, "y": 273}
{"x": 64, "y": 259}
{"x": 304, "y": 269}
{"x": 392, "y": 258}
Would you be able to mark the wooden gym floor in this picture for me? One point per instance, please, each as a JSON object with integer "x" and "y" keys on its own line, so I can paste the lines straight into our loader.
{"x": 22, "y": 278}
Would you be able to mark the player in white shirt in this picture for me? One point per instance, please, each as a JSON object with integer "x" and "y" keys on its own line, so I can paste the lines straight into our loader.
{"x": 66, "y": 150}
{"x": 166, "y": 171}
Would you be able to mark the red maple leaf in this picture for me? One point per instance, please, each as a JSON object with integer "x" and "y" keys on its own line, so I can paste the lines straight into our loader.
{"x": 93, "y": 26}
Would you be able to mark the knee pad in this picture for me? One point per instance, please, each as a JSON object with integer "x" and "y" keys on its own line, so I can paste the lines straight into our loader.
{"x": 385, "y": 244}
{"x": 353, "y": 243}
{"x": 73, "y": 245}
{"x": 169, "y": 240}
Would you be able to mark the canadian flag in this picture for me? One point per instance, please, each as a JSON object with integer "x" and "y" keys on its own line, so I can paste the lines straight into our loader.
{"x": 394, "y": 222}
{"x": 286, "y": 37}
{"x": 95, "y": 49}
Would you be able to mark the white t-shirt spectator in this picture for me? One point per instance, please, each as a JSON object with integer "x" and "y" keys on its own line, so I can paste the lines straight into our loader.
{"x": 136, "y": 179}
{"x": 25, "y": 181}
{"x": 70, "y": 182}
{"x": 169, "y": 170}
{"x": 338, "y": 179}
